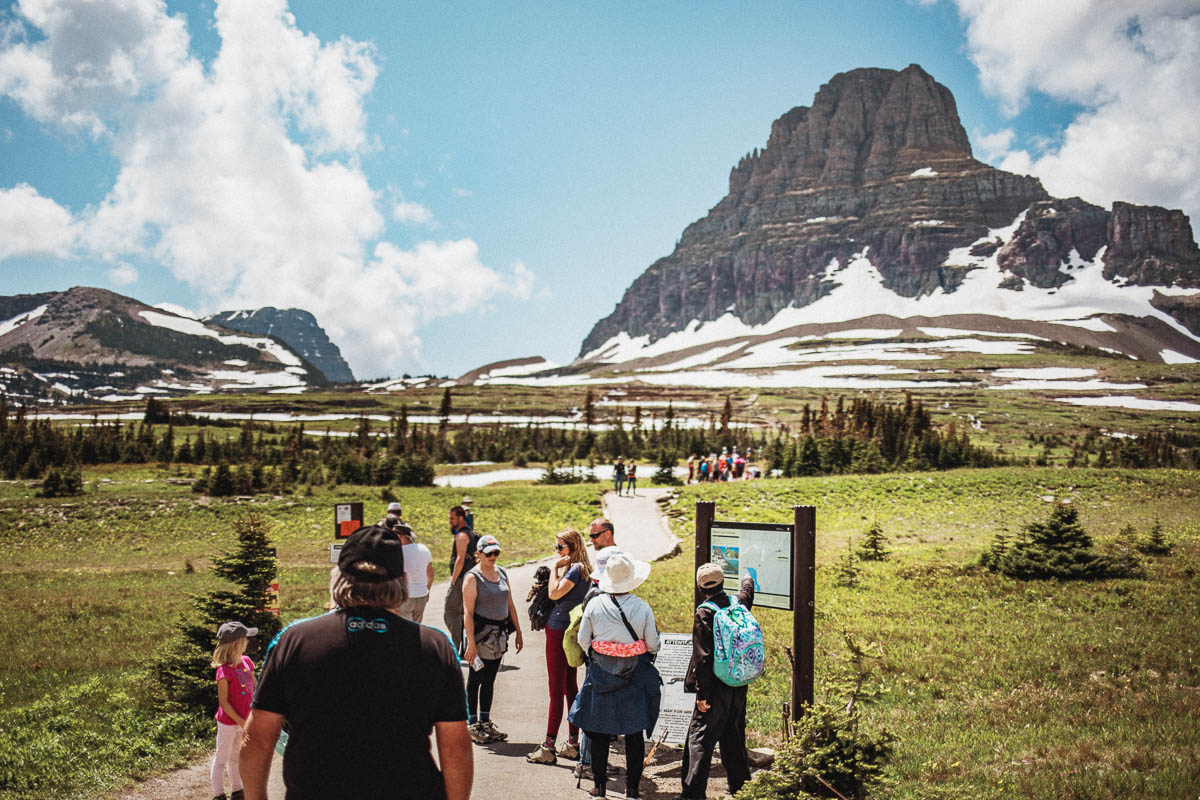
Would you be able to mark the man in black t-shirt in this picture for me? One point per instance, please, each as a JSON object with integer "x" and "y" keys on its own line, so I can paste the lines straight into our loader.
{"x": 361, "y": 689}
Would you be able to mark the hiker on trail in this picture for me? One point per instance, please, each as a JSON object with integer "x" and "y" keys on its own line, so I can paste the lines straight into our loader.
{"x": 361, "y": 690}
{"x": 618, "y": 475}
{"x": 235, "y": 689}
{"x": 691, "y": 468}
{"x": 462, "y": 559}
{"x": 393, "y": 510}
{"x": 631, "y": 477}
{"x": 601, "y": 532}
{"x": 720, "y": 713}
{"x": 568, "y": 585}
{"x": 466, "y": 503}
{"x": 489, "y": 616}
{"x": 622, "y": 689}
{"x": 418, "y": 571}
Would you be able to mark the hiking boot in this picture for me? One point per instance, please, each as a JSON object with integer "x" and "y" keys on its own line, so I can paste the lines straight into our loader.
{"x": 479, "y": 734}
{"x": 220, "y": 797}
{"x": 494, "y": 733}
{"x": 237, "y": 794}
{"x": 543, "y": 755}
{"x": 569, "y": 750}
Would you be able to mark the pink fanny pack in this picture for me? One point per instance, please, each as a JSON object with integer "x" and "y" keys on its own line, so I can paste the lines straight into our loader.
{"x": 620, "y": 649}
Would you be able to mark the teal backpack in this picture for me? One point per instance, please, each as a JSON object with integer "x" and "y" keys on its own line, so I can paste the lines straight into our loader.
{"x": 739, "y": 654}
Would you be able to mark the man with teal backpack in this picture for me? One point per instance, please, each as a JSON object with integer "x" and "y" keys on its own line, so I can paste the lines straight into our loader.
{"x": 727, "y": 653}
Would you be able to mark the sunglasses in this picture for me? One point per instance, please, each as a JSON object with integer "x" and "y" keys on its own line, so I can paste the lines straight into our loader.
{"x": 562, "y": 546}
{"x": 493, "y": 554}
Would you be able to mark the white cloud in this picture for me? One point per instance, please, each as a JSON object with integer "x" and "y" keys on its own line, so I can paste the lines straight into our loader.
{"x": 1131, "y": 67}
{"x": 122, "y": 275}
{"x": 461, "y": 192}
{"x": 33, "y": 225}
{"x": 412, "y": 213}
{"x": 243, "y": 176}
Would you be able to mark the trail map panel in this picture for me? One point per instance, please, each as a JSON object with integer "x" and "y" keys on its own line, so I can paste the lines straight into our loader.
{"x": 761, "y": 550}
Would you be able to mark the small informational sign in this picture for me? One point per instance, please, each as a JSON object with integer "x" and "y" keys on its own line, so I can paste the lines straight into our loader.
{"x": 760, "y": 550}
{"x": 675, "y": 709}
{"x": 335, "y": 552}
{"x": 273, "y": 598}
{"x": 347, "y": 518}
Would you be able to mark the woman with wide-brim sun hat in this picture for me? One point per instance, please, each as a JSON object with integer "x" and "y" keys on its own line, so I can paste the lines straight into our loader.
{"x": 621, "y": 691}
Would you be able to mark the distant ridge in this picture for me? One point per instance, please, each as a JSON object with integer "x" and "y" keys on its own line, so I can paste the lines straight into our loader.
{"x": 298, "y": 329}
{"x": 92, "y": 344}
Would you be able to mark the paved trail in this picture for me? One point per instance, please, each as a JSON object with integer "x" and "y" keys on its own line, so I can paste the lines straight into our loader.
{"x": 521, "y": 695}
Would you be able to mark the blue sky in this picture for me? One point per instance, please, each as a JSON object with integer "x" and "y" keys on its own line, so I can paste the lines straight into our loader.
{"x": 444, "y": 187}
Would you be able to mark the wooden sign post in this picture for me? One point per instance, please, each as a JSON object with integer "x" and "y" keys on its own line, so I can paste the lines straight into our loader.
{"x": 782, "y": 560}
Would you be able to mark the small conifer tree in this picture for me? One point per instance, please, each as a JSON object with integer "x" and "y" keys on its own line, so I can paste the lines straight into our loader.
{"x": 1058, "y": 548}
{"x": 182, "y": 666}
{"x": 665, "y": 476}
{"x": 1155, "y": 543}
{"x": 847, "y": 571}
{"x": 874, "y": 546}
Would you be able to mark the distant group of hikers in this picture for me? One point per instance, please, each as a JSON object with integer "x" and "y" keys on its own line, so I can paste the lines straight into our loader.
{"x": 362, "y": 687}
{"x": 730, "y": 465}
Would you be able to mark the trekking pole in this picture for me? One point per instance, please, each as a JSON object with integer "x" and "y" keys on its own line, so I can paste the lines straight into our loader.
{"x": 654, "y": 748}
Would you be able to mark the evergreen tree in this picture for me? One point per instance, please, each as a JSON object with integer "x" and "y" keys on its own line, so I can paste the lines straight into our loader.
{"x": 809, "y": 461}
{"x": 221, "y": 484}
{"x": 1057, "y": 548}
{"x": 874, "y": 546}
{"x": 1155, "y": 543}
{"x": 665, "y": 476}
{"x": 847, "y": 571}
{"x": 182, "y": 666}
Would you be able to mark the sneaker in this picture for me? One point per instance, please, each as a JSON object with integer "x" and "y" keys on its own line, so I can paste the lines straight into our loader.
{"x": 237, "y": 794}
{"x": 479, "y": 734}
{"x": 569, "y": 750}
{"x": 543, "y": 755}
{"x": 494, "y": 733}
{"x": 220, "y": 797}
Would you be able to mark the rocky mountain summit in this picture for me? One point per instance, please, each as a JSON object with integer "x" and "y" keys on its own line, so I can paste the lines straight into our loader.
{"x": 87, "y": 343}
{"x": 298, "y": 329}
{"x": 880, "y": 168}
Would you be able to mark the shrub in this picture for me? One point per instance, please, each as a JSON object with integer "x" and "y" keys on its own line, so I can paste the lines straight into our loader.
{"x": 827, "y": 750}
{"x": 66, "y": 482}
{"x": 1058, "y": 549}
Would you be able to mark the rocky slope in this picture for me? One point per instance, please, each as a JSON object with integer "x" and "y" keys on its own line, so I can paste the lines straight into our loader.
{"x": 88, "y": 343}
{"x": 298, "y": 329}
{"x": 879, "y": 167}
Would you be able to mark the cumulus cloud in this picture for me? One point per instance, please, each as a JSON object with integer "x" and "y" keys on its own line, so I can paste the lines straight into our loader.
{"x": 1132, "y": 69}
{"x": 122, "y": 275}
{"x": 241, "y": 176}
{"x": 31, "y": 224}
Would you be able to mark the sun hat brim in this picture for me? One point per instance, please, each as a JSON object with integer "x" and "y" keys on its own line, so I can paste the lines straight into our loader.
{"x": 641, "y": 571}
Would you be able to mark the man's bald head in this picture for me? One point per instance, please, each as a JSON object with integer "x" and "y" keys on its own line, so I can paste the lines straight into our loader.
{"x": 601, "y": 533}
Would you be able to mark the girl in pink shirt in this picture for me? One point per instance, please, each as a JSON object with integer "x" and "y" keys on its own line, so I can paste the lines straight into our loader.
{"x": 235, "y": 690}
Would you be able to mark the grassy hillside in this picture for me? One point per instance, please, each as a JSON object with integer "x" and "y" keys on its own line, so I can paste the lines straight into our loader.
{"x": 995, "y": 687}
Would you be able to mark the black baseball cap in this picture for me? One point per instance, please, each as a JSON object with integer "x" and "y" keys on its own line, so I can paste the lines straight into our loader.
{"x": 377, "y": 545}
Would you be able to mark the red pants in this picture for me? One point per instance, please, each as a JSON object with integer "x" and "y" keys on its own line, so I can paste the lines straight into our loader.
{"x": 562, "y": 682}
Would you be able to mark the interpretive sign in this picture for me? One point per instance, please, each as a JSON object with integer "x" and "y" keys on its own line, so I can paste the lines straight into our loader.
{"x": 347, "y": 518}
{"x": 761, "y": 550}
{"x": 675, "y": 709}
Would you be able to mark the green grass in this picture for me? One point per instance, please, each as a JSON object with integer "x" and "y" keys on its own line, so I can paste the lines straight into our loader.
{"x": 995, "y": 687}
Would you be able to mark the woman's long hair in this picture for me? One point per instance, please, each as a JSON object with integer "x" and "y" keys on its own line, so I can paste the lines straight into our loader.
{"x": 578, "y": 552}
